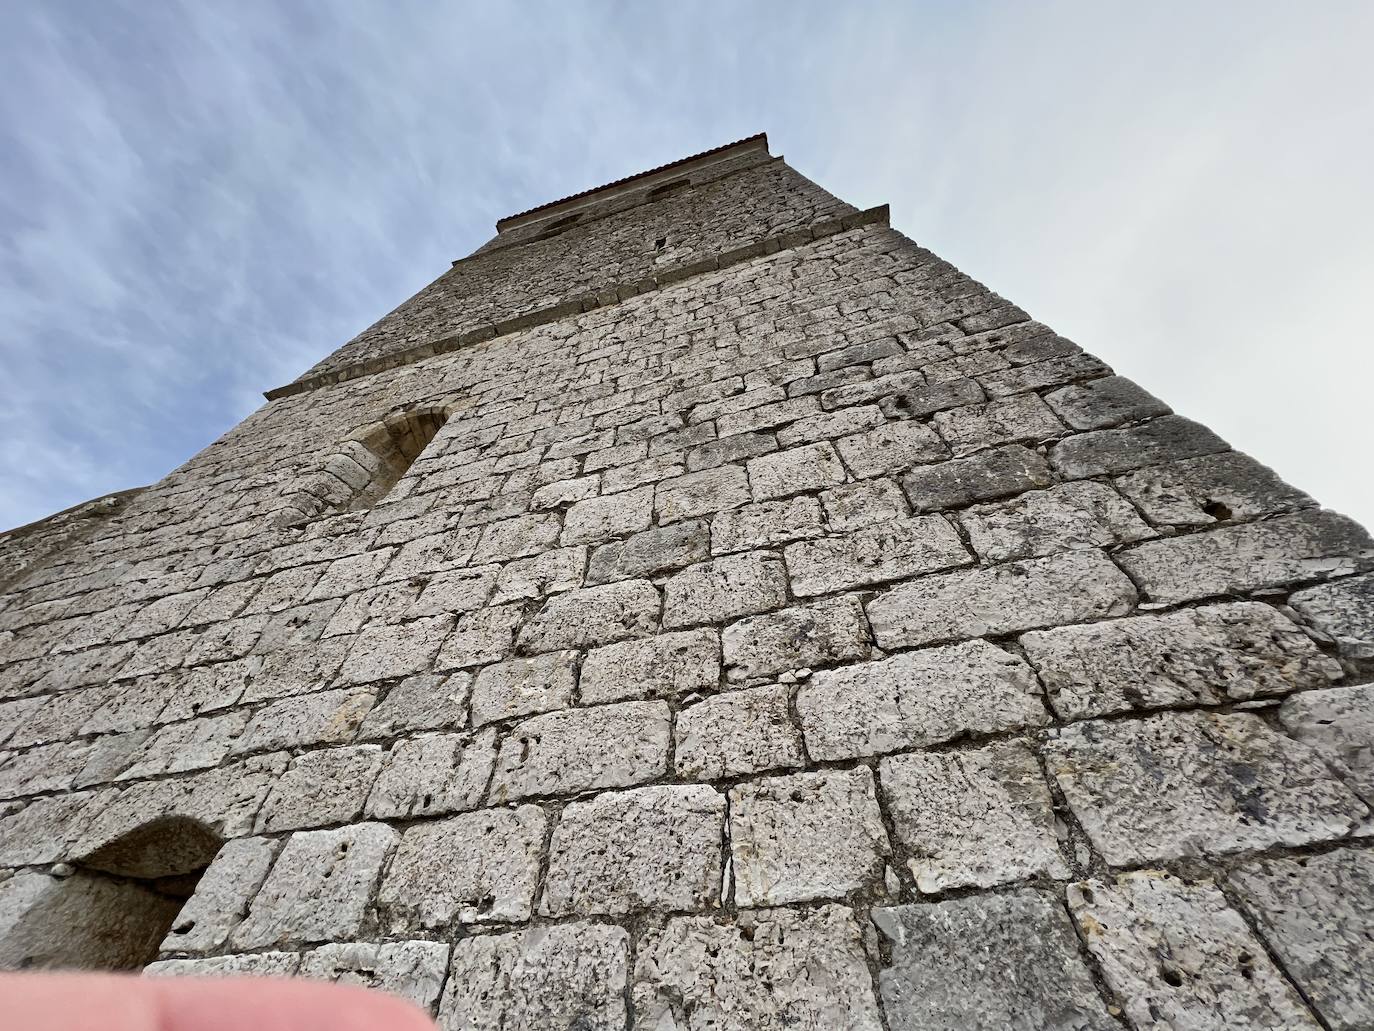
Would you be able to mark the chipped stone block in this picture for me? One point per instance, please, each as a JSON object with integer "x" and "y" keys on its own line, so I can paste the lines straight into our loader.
{"x": 1164, "y": 787}
{"x": 1100, "y": 403}
{"x": 1224, "y": 487}
{"x": 277, "y": 674}
{"x": 541, "y": 575}
{"x": 769, "y": 969}
{"x": 765, "y": 524}
{"x": 830, "y": 425}
{"x": 564, "y": 492}
{"x": 701, "y": 493}
{"x": 413, "y": 970}
{"x": 1236, "y": 559}
{"x": 908, "y": 399}
{"x": 1072, "y": 516}
{"x": 888, "y": 551}
{"x": 564, "y": 976}
{"x": 714, "y": 453}
{"x": 524, "y": 686}
{"x": 1314, "y": 913}
{"x": 647, "y": 848}
{"x": 387, "y": 650}
{"x": 997, "y": 473}
{"x": 660, "y": 550}
{"x": 432, "y": 702}
{"x": 515, "y": 538}
{"x": 736, "y": 733}
{"x": 261, "y": 964}
{"x": 319, "y": 887}
{"x": 487, "y": 635}
{"x": 222, "y": 895}
{"x": 591, "y": 616}
{"x": 1036, "y": 375}
{"x": 327, "y": 718}
{"x": 1167, "y": 439}
{"x": 724, "y": 589}
{"x": 1177, "y": 955}
{"x": 891, "y": 448}
{"x": 766, "y": 417}
{"x": 917, "y": 699}
{"x": 460, "y": 590}
{"x": 1072, "y": 587}
{"x": 1004, "y": 962}
{"x": 856, "y": 505}
{"x": 1024, "y": 417}
{"x": 1344, "y": 611}
{"x": 809, "y": 467}
{"x": 320, "y": 788}
{"x": 806, "y": 836}
{"x": 666, "y": 666}
{"x": 614, "y": 515}
{"x": 433, "y": 774}
{"x": 972, "y": 819}
{"x": 821, "y": 634}
{"x": 478, "y": 867}
{"x": 562, "y": 753}
{"x": 193, "y": 745}
{"x": 1339, "y": 725}
{"x": 1203, "y": 656}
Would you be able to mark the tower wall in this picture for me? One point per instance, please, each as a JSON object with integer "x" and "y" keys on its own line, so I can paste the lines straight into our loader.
{"x": 771, "y": 628}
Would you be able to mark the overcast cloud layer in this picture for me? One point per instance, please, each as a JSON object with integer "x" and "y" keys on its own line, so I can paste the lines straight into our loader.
{"x": 198, "y": 201}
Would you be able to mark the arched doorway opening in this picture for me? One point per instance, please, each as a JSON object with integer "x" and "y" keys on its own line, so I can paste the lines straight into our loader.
{"x": 111, "y": 909}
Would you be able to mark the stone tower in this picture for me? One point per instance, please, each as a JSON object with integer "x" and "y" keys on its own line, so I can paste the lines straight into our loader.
{"x": 702, "y": 607}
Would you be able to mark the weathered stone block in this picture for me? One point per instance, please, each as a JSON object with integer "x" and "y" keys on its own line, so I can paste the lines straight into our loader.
{"x": 524, "y": 686}
{"x": 592, "y": 616}
{"x": 413, "y": 970}
{"x": 514, "y": 538}
{"x": 737, "y": 733}
{"x": 701, "y": 493}
{"x": 991, "y": 474}
{"x": 221, "y": 897}
{"x": 766, "y": 524}
{"x": 541, "y": 575}
{"x": 660, "y": 550}
{"x": 806, "y": 836}
{"x": 614, "y": 515}
{"x": 328, "y": 718}
{"x": 724, "y": 588}
{"x": 386, "y": 650}
{"x": 1100, "y": 403}
{"x": 830, "y": 425}
{"x": 856, "y": 505}
{"x": 1072, "y": 516}
{"x": 809, "y": 467}
{"x": 320, "y": 788}
{"x": 1339, "y": 725}
{"x": 433, "y": 774}
{"x": 1214, "y": 488}
{"x": 875, "y": 554}
{"x": 434, "y": 702}
{"x": 820, "y": 634}
{"x": 891, "y": 448}
{"x": 1164, "y": 787}
{"x": 1344, "y": 611}
{"x": 666, "y": 666}
{"x": 1167, "y": 439}
{"x": 1021, "y": 418}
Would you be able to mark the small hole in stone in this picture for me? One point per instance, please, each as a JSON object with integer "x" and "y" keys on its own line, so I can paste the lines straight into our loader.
{"x": 1088, "y": 895}
{"x": 1216, "y": 510}
{"x": 660, "y": 243}
{"x": 1171, "y": 976}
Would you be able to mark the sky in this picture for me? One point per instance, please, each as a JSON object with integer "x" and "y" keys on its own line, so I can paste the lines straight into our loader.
{"x": 199, "y": 200}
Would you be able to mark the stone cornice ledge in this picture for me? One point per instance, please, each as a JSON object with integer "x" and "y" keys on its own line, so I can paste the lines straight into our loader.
{"x": 608, "y": 295}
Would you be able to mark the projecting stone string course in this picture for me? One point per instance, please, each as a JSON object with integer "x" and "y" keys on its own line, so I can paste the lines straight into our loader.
{"x": 704, "y": 608}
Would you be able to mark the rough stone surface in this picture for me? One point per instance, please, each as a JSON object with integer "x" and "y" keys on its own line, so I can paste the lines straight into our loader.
{"x": 806, "y": 836}
{"x": 821, "y": 634}
{"x": 1206, "y": 656}
{"x": 916, "y": 699}
{"x": 1344, "y": 611}
{"x": 973, "y": 818}
{"x": 1314, "y": 913}
{"x": 591, "y": 616}
{"x": 1167, "y": 439}
{"x": 769, "y": 969}
{"x": 412, "y": 970}
{"x": 1214, "y": 488}
{"x": 433, "y": 774}
{"x": 1339, "y": 725}
{"x": 737, "y": 733}
{"x": 766, "y": 524}
{"x": 888, "y": 551}
{"x": 1005, "y": 962}
{"x": 1043, "y": 522}
{"x": 666, "y": 666}
{"x": 724, "y": 589}
{"x": 1184, "y": 784}
{"x": 1177, "y": 955}
{"x": 996, "y": 473}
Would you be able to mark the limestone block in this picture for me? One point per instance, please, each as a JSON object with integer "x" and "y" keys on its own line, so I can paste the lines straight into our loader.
{"x": 891, "y": 448}
{"x": 487, "y": 635}
{"x": 460, "y": 590}
{"x": 614, "y": 515}
{"x": 565, "y": 976}
{"x": 262, "y": 964}
{"x": 763, "y": 525}
{"x": 222, "y": 895}
{"x": 736, "y": 733}
{"x": 1344, "y": 611}
{"x": 591, "y": 616}
{"x": 541, "y": 575}
{"x": 997, "y": 473}
{"x": 193, "y": 745}
{"x": 1167, "y": 439}
{"x": 412, "y": 970}
{"x": 516, "y": 538}
{"x": 768, "y": 969}
{"x": 562, "y": 753}
{"x": 1214, "y": 488}
{"x": 917, "y": 699}
{"x": 387, "y": 650}
{"x": 1315, "y": 914}
{"x": 660, "y": 550}
{"x": 972, "y": 819}
{"x": 327, "y": 718}
{"x": 1073, "y": 587}
{"x": 724, "y": 589}
{"x": 856, "y": 505}
{"x": 1004, "y": 962}
{"x": 647, "y": 848}
{"x": 701, "y": 493}
{"x": 806, "y": 836}
{"x": 523, "y": 686}
{"x": 564, "y": 492}
{"x": 666, "y": 666}
{"x": 876, "y": 554}
{"x": 1072, "y": 516}
{"x": 1024, "y": 417}
{"x": 1036, "y": 375}
{"x": 1339, "y": 725}
{"x": 1237, "y": 559}
{"x": 319, "y": 887}
{"x": 433, "y": 774}
{"x": 320, "y": 788}
{"x": 1204, "y": 656}
{"x": 277, "y": 674}
{"x": 1177, "y": 955}
{"x": 821, "y": 634}
{"x": 350, "y": 574}
{"x": 798, "y": 469}
{"x": 1164, "y": 787}
{"x": 46, "y": 768}
{"x": 829, "y": 425}
{"x": 478, "y": 867}
{"x": 1100, "y": 403}
{"x": 646, "y": 471}
{"x": 718, "y": 452}
{"x": 431, "y": 702}
{"x": 766, "y": 417}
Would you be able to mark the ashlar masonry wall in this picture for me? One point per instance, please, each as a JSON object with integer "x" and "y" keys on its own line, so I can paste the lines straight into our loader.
{"x": 802, "y": 637}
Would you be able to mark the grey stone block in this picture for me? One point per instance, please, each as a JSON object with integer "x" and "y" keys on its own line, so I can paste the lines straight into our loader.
{"x": 659, "y": 550}
{"x": 724, "y": 589}
{"x": 433, "y": 774}
{"x": 1072, "y": 516}
{"x": 736, "y": 733}
{"x": 798, "y": 469}
{"x": 820, "y": 634}
{"x": 321, "y": 788}
{"x": 412, "y": 970}
{"x": 524, "y": 686}
{"x": 1167, "y": 439}
{"x": 891, "y": 448}
{"x": 766, "y": 524}
{"x": 1344, "y": 611}
{"x": 1010, "y": 420}
{"x": 1100, "y": 403}
{"x": 592, "y": 616}
{"x": 1339, "y": 725}
{"x": 1224, "y": 487}
{"x": 876, "y": 554}
{"x": 990, "y": 474}
{"x": 666, "y": 666}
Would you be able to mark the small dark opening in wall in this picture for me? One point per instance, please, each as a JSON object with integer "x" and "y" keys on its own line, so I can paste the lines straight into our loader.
{"x": 660, "y": 243}
{"x": 112, "y": 909}
{"x": 659, "y": 192}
